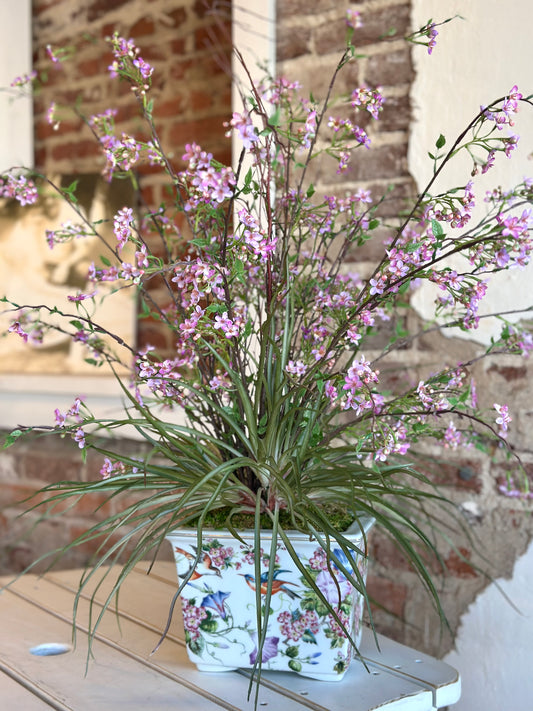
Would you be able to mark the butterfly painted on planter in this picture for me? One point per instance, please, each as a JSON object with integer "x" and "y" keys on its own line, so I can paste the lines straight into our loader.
{"x": 203, "y": 567}
{"x": 277, "y": 585}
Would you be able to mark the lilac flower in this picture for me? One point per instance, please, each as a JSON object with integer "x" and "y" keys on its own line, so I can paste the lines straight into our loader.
{"x": 228, "y": 327}
{"x": 503, "y": 418}
{"x": 242, "y": 123}
{"x": 144, "y": 68}
{"x": 17, "y": 328}
{"x": 353, "y": 19}
{"x": 53, "y": 56}
{"x": 51, "y": 116}
{"x": 122, "y": 226}
{"x": 452, "y": 437}
{"x": 20, "y": 188}
{"x": 80, "y": 297}
{"x": 432, "y": 34}
{"x": 309, "y": 128}
{"x": 60, "y": 418}
{"x": 296, "y": 367}
{"x": 110, "y": 468}
{"x": 370, "y": 99}
{"x": 79, "y": 437}
{"x": 24, "y": 79}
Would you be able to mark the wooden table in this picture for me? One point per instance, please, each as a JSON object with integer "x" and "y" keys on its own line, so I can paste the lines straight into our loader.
{"x": 123, "y": 675}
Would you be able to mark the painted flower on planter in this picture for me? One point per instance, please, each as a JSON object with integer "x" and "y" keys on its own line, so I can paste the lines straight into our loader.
{"x": 335, "y": 590}
{"x": 348, "y": 563}
{"x": 296, "y": 625}
{"x": 216, "y": 602}
{"x": 270, "y": 649}
{"x": 334, "y": 631}
{"x": 192, "y": 618}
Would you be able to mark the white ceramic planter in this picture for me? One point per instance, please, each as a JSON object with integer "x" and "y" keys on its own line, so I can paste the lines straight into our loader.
{"x": 219, "y": 605}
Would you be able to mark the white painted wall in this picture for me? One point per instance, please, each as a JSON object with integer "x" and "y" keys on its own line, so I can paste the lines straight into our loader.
{"x": 494, "y": 646}
{"x": 16, "y": 116}
{"x": 477, "y": 60}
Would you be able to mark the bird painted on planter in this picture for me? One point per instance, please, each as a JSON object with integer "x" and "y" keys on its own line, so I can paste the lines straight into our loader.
{"x": 204, "y": 566}
{"x": 277, "y": 585}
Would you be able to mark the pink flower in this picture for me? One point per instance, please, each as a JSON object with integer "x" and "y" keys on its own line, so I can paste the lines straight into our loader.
{"x": 452, "y": 437}
{"x": 242, "y": 123}
{"x": 297, "y": 367}
{"x": 503, "y": 419}
{"x": 228, "y": 327}
{"x": 79, "y": 437}
{"x": 353, "y": 19}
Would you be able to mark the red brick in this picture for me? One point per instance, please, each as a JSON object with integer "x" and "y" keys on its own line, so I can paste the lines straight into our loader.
{"x": 292, "y": 8}
{"x": 180, "y": 69}
{"x": 290, "y": 44}
{"x": 377, "y": 23}
{"x": 80, "y": 149}
{"x": 178, "y": 16}
{"x": 206, "y": 8}
{"x": 396, "y": 114}
{"x": 205, "y": 130}
{"x": 172, "y": 107}
{"x": 390, "y": 68}
{"x": 457, "y": 564}
{"x": 200, "y": 100}
{"x": 386, "y": 553}
{"x": 97, "y": 8}
{"x": 509, "y": 373}
{"x": 144, "y": 26}
{"x": 15, "y": 493}
{"x": 392, "y": 596}
{"x": 94, "y": 65}
{"x": 462, "y": 474}
{"x": 43, "y": 130}
{"x": 383, "y": 162}
{"x": 214, "y": 37}
{"x": 177, "y": 47}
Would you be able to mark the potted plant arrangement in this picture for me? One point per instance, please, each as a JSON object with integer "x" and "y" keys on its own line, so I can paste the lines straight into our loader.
{"x": 290, "y": 435}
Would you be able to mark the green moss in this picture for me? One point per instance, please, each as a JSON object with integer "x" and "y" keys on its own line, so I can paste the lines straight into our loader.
{"x": 339, "y": 518}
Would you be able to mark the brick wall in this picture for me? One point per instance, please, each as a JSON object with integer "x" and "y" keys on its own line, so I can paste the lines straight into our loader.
{"x": 27, "y": 467}
{"x": 185, "y": 40}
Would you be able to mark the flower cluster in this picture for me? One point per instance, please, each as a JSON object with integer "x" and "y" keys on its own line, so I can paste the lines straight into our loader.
{"x": 215, "y": 308}
{"x": 294, "y": 625}
{"x": 129, "y": 64}
{"x": 19, "y": 188}
{"x": 193, "y": 617}
{"x": 24, "y": 79}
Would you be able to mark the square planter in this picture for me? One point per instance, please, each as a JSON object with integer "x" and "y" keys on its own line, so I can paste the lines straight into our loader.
{"x": 219, "y": 604}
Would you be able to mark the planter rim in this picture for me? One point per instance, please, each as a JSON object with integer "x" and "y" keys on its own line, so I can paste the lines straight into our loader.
{"x": 356, "y": 531}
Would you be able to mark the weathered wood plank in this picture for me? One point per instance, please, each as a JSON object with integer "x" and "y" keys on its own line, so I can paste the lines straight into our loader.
{"x": 393, "y": 684}
{"x": 17, "y": 692}
{"x": 141, "y": 598}
{"x": 113, "y": 681}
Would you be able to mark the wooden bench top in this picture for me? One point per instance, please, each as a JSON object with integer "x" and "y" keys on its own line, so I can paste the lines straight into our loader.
{"x": 124, "y": 675}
